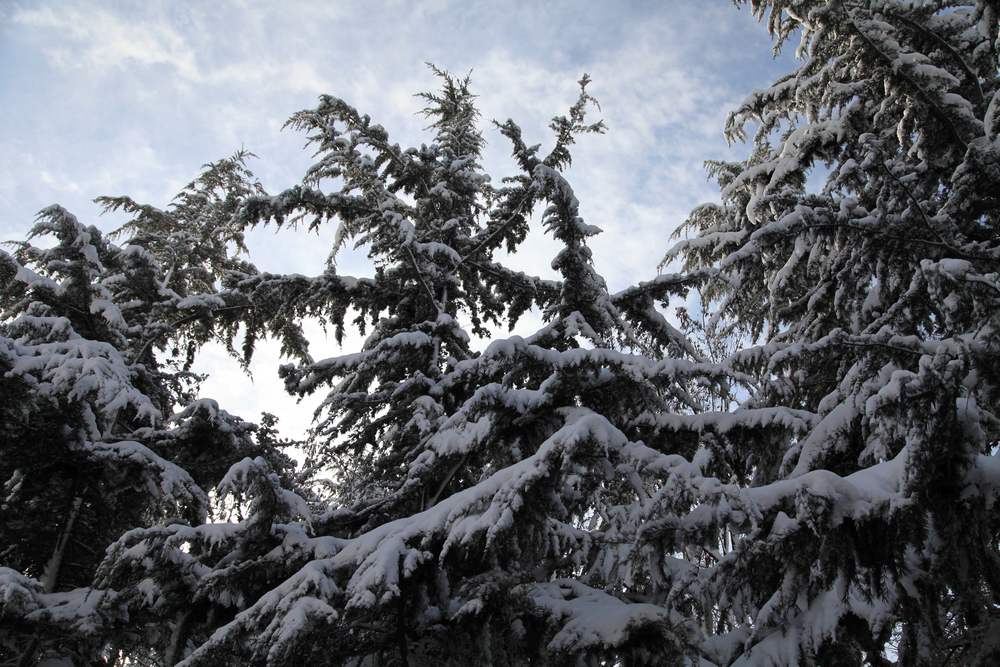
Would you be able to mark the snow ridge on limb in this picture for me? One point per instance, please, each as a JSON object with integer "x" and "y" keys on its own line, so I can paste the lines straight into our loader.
{"x": 82, "y": 614}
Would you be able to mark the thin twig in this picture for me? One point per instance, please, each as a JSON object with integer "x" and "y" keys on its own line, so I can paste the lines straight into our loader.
{"x": 423, "y": 281}
{"x": 184, "y": 320}
{"x": 479, "y": 246}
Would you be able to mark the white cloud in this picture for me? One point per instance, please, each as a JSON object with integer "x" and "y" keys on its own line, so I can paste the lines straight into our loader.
{"x": 96, "y": 38}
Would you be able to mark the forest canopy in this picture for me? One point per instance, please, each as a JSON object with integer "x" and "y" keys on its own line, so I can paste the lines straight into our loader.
{"x": 780, "y": 449}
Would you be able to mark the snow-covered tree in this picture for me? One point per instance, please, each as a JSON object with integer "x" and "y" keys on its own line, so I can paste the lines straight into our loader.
{"x": 90, "y": 446}
{"x": 569, "y": 495}
{"x": 802, "y": 471}
{"x": 510, "y": 506}
{"x": 858, "y": 246}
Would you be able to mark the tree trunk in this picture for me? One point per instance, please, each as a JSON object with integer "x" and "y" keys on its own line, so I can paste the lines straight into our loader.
{"x": 178, "y": 638}
{"x": 50, "y": 577}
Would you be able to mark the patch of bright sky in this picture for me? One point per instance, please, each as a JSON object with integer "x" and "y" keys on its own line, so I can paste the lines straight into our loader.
{"x": 106, "y": 98}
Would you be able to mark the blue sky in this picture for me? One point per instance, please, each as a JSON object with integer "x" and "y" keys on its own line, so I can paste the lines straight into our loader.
{"x": 105, "y": 98}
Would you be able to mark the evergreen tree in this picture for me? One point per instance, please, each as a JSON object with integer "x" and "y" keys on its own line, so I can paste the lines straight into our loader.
{"x": 510, "y": 506}
{"x": 90, "y": 448}
{"x": 873, "y": 297}
{"x": 804, "y": 472}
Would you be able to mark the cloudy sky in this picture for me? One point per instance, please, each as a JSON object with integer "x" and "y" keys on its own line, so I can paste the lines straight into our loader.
{"x": 105, "y": 98}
